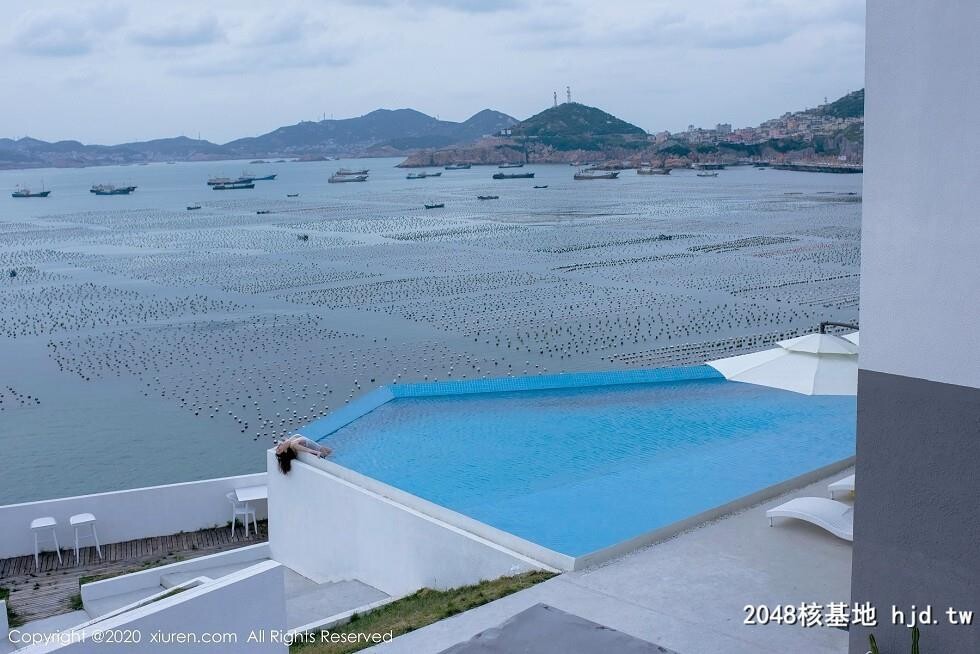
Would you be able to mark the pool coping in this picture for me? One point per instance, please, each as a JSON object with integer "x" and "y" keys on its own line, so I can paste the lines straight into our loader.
{"x": 343, "y": 416}
{"x": 322, "y": 428}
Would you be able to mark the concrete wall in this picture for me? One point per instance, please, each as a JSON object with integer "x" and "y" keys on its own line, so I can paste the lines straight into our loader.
{"x": 328, "y": 529}
{"x": 151, "y": 577}
{"x": 919, "y": 228}
{"x": 125, "y": 515}
{"x": 917, "y": 524}
{"x": 248, "y": 601}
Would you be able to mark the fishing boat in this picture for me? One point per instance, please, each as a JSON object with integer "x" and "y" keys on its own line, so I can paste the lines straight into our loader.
{"x": 513, "y": 176}
{"x": 347, "y": 171}
{"x": 24, "y": 192}
{"x": 214, "y": 181}
{"x": 458, "y": 167}
{"x": 267, "y": 178}
{"x": 653, "y": 171}
{"x": 292, "y": 195}
{"x": 337, "y": 178}
{"x": 511, "y": 165}
{"x": 707, "y": 174}
{"x": 193, "y": 207}
{"x": 234, "y": 186}
{"x": 488, "y": 197}
{"x": 593, "y": 174}
{"x": 422, "y": 175}
{"x": 441, "y": 205}
{"x": 544, "y": 186}
{"x": 109, "y": 189}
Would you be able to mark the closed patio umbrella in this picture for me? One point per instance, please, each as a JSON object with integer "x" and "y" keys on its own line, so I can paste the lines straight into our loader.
{"x": 815, "y": 364}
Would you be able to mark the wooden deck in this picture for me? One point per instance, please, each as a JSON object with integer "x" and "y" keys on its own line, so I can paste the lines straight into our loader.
{"x": 50, "y": 591}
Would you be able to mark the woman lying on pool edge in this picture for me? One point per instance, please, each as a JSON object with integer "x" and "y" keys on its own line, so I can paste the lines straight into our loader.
{"x": 290, "y": 448}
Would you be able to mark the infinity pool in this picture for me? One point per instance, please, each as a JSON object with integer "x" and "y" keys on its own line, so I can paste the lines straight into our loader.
{"x": 580, "y": 469}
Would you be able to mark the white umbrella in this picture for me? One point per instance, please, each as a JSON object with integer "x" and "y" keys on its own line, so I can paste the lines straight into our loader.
{"x": 815, "y": 364}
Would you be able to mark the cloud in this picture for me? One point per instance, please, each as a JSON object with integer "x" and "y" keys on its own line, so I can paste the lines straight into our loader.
{"x": 65, "y": 33}
{"x": 464, "y": 6}
{"x": 180, "y": 34}
{"x": 708, "y": 25}
{"x": 264, "y": 61}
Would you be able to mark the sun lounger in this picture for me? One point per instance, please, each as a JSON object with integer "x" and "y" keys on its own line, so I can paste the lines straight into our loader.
{"x": 836, "y": 517}
{"x": 845, "y": 485}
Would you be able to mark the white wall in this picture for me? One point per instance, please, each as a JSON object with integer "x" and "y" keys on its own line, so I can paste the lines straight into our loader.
{"x": 151, "y": 577}
{"x": 328, "y": 529}
{"x": 243, "y": 602}
{"x": 921, "y": 226}
{"x": 125, "y": 515}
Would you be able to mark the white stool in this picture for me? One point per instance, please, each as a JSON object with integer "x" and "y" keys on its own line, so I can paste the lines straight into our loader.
{"x": 40, "y": 526}
{"x": 84, "y": 520}
{"x": 244, "y": 511}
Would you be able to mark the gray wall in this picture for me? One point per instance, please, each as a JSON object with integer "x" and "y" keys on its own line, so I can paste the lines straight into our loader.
{"x": 917, "y": 508}
{"x": 917, "y": 523}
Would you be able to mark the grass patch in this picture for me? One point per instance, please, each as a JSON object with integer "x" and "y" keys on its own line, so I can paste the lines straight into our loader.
{"x": 12, "y": 618}
{"x": 75, "y": 602}
{"x": 420, "y": 609}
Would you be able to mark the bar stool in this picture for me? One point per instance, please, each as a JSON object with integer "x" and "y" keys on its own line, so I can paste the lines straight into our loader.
{"x": 43, "y": 528}
{"x": 82, "y": 520}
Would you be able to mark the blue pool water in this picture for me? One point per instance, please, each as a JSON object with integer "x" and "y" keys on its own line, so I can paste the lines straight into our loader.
{"x": 579, "y": 469}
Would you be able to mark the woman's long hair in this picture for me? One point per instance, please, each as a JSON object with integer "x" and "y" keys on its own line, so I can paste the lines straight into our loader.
{"x": 286, "y": 459}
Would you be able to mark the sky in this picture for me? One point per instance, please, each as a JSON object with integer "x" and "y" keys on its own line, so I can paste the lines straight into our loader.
{"x": 102, "y": 71}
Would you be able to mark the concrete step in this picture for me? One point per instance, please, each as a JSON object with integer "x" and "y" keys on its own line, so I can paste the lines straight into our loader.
{"x": 308, "y": 602}
{"x": 176, "y": 578}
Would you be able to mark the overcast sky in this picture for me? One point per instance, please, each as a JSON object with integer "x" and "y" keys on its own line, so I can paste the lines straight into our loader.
{"x": 107, "y": 72}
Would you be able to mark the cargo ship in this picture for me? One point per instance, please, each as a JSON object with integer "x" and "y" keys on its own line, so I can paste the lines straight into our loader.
{"x": 338, "y": 178}
{"x": 511, "y": 165}
{"x": 458, "y": 167}
{"x": 24, "y": 192}
{"x": 110, "y": 189}
{"x": 422, "y": 175}
{"x": 513, "y": 176}
{"x": 653, "y": 171}
{"x": 592, "y": 174}
{"x": 233, "y": 186}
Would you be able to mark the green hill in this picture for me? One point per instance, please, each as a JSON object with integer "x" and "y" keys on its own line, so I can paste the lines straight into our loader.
{"x": 574, "y": 126}
{"x": 850, "y": 106}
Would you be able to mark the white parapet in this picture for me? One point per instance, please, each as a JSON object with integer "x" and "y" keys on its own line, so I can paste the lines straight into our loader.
{"x": 129, "y": 514}
{"x": 242, "y": 613}
{"x": 329, "y": 529}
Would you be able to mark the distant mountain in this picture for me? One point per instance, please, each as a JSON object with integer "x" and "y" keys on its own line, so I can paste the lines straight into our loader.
{"x": 380, "y": 132}
{"x": 400, "y": 129}
{"x": 574, "y": 126}
{"x": 179, "y": 147}
{"x": 849, "y": 106}
{"x": 568, "y": 132}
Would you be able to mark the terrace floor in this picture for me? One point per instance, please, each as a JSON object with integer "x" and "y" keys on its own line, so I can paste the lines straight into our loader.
{"x": 686, "y": 594}
{"x": 41, "y": 594}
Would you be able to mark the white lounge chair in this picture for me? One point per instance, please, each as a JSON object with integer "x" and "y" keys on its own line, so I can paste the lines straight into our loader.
{"x": 845, "y": 485}
{"x": 836, "y": 517}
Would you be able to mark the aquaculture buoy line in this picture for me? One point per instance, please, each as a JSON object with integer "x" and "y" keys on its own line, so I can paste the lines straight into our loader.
{"x": 256, "y": 323}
